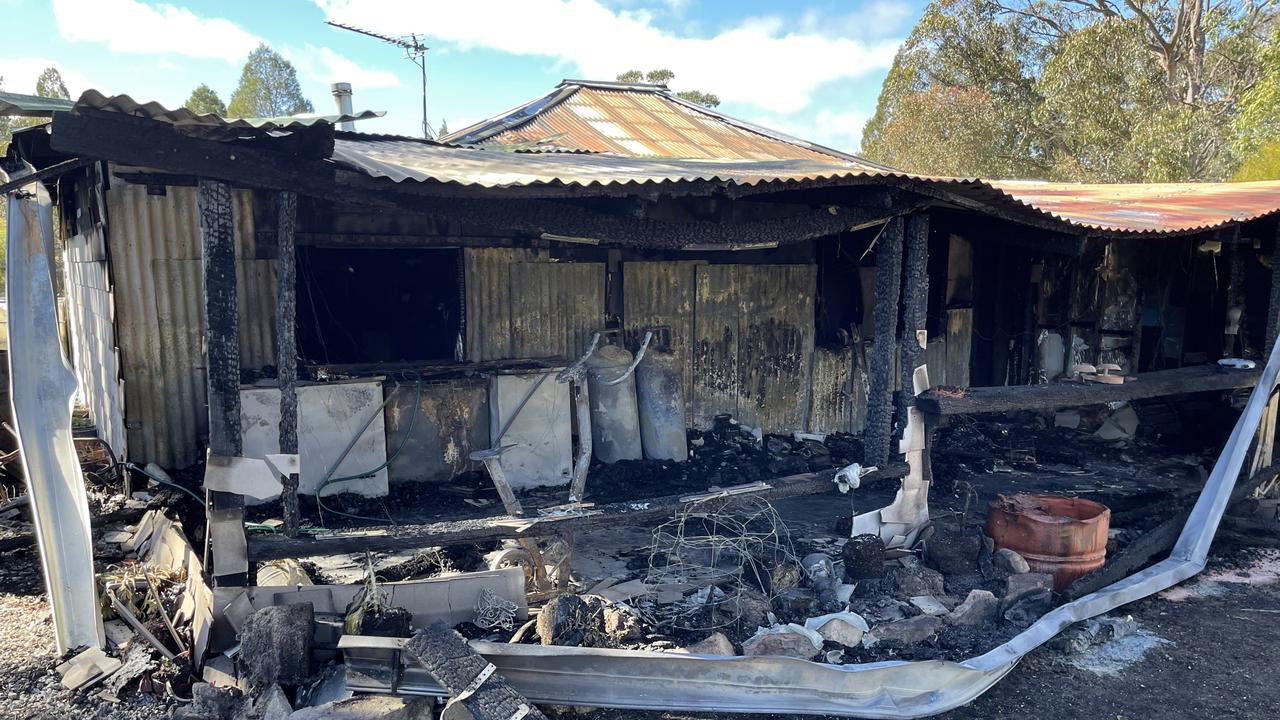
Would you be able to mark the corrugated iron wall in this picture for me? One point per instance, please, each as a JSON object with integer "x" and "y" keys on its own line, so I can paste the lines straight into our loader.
{"x": 520, "y": 305}
{"x": 661, "y": 293}
{"x": 155, "y": 250}
{"x": 91, "y": 315}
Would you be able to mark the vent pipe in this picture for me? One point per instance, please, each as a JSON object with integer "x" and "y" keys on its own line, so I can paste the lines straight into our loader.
{"x": 342, "y": 98}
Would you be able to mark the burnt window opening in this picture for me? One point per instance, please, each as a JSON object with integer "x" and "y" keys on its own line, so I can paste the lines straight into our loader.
{"x": 371, "y": 305}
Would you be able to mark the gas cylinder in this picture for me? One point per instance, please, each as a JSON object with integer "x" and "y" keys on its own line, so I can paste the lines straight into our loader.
{"x": 660, "y": 395}
{"x": 615, "y": 421}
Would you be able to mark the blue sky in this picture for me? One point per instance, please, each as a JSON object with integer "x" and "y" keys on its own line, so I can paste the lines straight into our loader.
{"x": 811, "y": 68}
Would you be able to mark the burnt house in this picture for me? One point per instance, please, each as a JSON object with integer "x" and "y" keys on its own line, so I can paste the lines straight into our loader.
{"x": 385, "y": 308}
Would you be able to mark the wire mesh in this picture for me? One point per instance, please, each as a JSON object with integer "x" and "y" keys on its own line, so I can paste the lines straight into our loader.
{"x": 722, "y": 555}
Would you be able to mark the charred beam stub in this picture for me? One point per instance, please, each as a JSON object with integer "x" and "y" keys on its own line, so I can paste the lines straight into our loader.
{"x": 914, "y": 308}
{"x": 468, "y": 677}
{"x": 880, "y": 394}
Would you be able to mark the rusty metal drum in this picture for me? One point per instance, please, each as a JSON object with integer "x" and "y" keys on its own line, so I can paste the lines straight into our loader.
{"x": 1065, "y": 537}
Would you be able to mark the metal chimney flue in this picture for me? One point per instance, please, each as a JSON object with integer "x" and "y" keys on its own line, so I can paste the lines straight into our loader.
{"x": 342, "y": 98}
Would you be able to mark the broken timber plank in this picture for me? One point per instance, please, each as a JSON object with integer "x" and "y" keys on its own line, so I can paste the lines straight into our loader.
{"x": 271, "y": 547}
{"x": 468, "y": 677}
{"x": 1159, "y": 383}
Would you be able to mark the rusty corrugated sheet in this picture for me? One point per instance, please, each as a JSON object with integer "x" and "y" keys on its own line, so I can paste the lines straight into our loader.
{"x": 1114, "y": 209}
{"x": 155, "y": 246}
{"x": 647, "y": 121}
{"x": 1147, "y": 206}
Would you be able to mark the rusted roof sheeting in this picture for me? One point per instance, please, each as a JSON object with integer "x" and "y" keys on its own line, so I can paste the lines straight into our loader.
{"x": 1125, "y": 209}
{"x": 1158, "y": 207}
{"x": 641, "y": 120}
{"x": 182, "y": 117}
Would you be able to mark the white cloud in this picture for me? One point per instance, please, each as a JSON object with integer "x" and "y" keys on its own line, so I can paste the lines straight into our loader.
{"x": 756, "y": 61}
{"x": 133, "y": 27}
{"x": 325, "y": 65}
{"x": 129, "y": 26}
{"x": 875, "y": 19}
{"x": 838, "y": 129}
{"x": 20, "y": 73}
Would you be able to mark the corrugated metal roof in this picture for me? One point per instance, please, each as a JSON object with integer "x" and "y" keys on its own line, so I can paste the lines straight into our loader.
{"x": 182, "y": 117}
{"x": 31, "y": 105}
{"x": 1153, "y": 207}
{"x": 640, "y": 120}
{"x": 1117, "y": 209}
{"x": 1133, "y": 208}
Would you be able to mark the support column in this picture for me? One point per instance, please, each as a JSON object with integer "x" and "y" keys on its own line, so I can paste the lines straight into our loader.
{"x": 225, "y": 537}
{"x": 287, "y": 348}
{"x": 915, "y": 308}
{"x": 878, "y": 434}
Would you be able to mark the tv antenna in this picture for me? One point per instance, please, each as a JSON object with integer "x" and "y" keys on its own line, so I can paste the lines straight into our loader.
{"x": 414, "y": 51}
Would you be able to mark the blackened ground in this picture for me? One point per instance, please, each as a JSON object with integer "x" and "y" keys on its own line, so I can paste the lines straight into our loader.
{"x": 1219, "y": 661}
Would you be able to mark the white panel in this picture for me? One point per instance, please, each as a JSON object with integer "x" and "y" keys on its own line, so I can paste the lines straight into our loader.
{"x": 329, "y": 414}
{"x": 541, "y": 435}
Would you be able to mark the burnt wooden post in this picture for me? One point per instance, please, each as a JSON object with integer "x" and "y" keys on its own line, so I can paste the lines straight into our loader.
{"x": 222, "y": 347}
{"x": 915, "y": 308}
{"x": 287, "y": 348}
{"x": 878, "y": 434}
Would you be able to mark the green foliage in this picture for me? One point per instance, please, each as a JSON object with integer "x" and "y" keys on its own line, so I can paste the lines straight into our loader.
{"x": 205, "y": 101}
{"x": 50, "y": 85}
{"x": 1084, "y": 91}
{"x": 1263, "y": 164}
{"x": 1259, "y": 120}
{"x": 268, "y": 87}
{"x": 444, "y": 128}
{"x": 698, "y": 97}
{"x": 664, "y": 77}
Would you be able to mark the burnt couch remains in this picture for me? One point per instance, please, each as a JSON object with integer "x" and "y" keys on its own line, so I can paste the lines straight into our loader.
{"x": 448, "y": 376}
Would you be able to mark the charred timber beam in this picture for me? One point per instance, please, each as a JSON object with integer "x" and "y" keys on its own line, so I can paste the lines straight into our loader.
{"x": 1159, "y": 383}
{"x": 494, "y": 528}
{"x": 222, "y": 347}
{"x": 43, "y": 174}
{"x": 286, "y": 312}
{"x": 879, "y": 429}
{"x": 915, "y": 297}
{"x": 146, "y": 143}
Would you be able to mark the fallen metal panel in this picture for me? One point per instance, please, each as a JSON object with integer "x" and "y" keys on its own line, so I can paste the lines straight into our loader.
{"x": 646, "y": 680}
{"x": 43, "y": 388}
